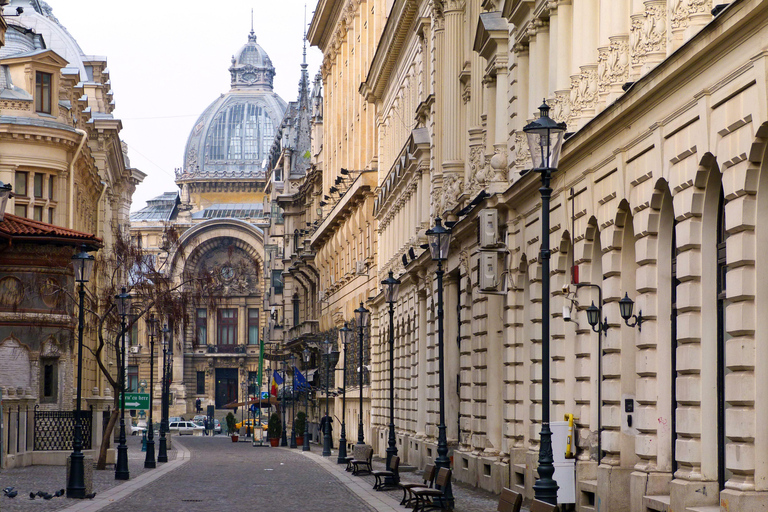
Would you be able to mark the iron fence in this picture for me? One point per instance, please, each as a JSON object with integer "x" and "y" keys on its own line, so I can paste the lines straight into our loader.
{"x": 55, "y": 430}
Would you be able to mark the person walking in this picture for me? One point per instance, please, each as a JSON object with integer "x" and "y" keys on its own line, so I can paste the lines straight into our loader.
{"x": 205, "y": 426}
{"x": 199, "y": 406}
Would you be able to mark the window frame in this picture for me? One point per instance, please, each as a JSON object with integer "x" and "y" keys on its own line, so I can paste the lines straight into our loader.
{"x": 43, "y": 92}
{"x": 131, "y": 374}
{"x": 253, "y": 326}
{"x": 201, "y": 326}
{"x": 200, "y": 379}
{"x": 16, "y": 188}
{"x": 226, "y": 328}
{"x": 53, "y": 397}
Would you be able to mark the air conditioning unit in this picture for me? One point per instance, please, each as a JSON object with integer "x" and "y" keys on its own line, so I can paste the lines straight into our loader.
{"x": 361, "y": 268}
{"x": 135, "y": 349}
{"x": 488, "y": 228}
{"x": 488, "y": 270}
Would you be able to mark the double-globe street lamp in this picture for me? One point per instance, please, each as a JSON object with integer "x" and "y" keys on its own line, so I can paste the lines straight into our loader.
{"x": 391, "y": 289}
{"x": 545, "y": 140}
{"x": 83, "y": 264}
{"x": 331, "y": 358}
{"x": 123, "y": 300}
{"x": 363, "y": 317}
{"x": 149, "y": 459}
{"x": 345, "y": 337}
{"x": 162, "y": 452}
{"x": 439, "y": 242}
{"x": 305, "y": 447}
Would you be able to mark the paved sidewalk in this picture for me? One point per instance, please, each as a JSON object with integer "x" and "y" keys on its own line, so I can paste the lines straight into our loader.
{"x": 52, "y": 478}
{"x": 468, "y": 499}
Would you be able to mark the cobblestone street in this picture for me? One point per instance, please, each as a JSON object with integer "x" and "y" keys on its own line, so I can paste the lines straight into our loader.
{"x": 206, "y": 472}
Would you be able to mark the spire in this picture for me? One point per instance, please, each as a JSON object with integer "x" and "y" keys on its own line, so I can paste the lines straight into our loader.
{"x": 304, "y": 62}
{"x": 252, "y": 35}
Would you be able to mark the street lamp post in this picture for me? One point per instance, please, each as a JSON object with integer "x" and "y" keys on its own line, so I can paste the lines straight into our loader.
{"x": 363, "y": 317}
{"x": 439, "y": 242}
{"x": 391, "y": 289}
{"x": 293, "y": 404}
{"x": 149, "y": 460}
{"x": 83, "y": 263}
{"x": 345, "y": 335}
{"x": 284, "y": 438}
{"x": 162, "y": 452}
{"x": 121, "y": 466}
{"x": 327, "y": 423}
{"x": 306, "y": 354}
{"x": 545, "y": 140}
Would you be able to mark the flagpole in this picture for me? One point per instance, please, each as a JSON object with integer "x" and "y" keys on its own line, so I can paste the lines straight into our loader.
{"x": 261, "y": 374}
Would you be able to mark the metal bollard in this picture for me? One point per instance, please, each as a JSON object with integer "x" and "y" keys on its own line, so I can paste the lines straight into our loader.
{"x": 144, "y": 441}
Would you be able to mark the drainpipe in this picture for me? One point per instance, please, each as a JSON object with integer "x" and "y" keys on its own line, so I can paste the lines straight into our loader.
{"x": 71, "y": 212}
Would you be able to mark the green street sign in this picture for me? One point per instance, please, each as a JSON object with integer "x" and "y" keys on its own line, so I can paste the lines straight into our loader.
{"x": 136, "y": 400}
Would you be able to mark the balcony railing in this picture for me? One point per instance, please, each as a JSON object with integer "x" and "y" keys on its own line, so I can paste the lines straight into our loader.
{"x": 305, "y": 328}
{"x": 226, "y": 349}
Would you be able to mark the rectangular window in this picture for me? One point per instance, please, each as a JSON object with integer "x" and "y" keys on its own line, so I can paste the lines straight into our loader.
{"x": 253, "y": 326}
{"x": 132, "y": 378}
{"x": 38, "y": 213}
{"x": 277, "y": 281}
{"x": 49, "y": 380}
{"x": 200, "y": 383}
{"x": 201, "y": 326}
{"x": 20, "y": 184}
{"x": 227, "y": 326}
{"x": 20, "y": 210}
{"x": 50, "y": 215}
{"x": 38, "y": 185}
{"x": 50, "y": 187}
{"x": 133, "y": 335}
{"x": 43, "y": 92}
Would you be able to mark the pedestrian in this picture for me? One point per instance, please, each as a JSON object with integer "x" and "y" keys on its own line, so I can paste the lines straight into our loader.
{"x": 205, "y": 426}
{"x": 199, "y": 406}
{"x": 327, "y": 422}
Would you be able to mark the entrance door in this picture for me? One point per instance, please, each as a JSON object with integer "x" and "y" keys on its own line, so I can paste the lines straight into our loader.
{"x": 226, "y": 386}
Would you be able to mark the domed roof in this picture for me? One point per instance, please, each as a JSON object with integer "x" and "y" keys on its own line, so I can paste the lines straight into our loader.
{"x": 251, "y": 66}
{"x": 232, "y": 138}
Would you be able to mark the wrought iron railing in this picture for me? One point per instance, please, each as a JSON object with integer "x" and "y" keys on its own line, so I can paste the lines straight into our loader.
{"x": 55, "y": 430}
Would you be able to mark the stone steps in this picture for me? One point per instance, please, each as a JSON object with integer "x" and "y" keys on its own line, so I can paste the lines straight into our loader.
{"x": 656, "y": 503}
{"x": 706, "y": 508}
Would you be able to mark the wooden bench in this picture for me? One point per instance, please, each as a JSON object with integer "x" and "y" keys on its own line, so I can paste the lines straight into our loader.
{"x": 388, "y": 478}
{"x": 429, "y": 480}
{"x": 361, "y": 464}
{"x": 509, "y": 501}
{"x": 541, "y": 506}
{"x": 433, "y": 497}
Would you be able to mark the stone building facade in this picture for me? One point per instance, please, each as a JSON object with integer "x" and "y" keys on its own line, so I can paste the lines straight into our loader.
{"x": 60, "y": 150}
{"x": 658, "y": 196}
{"x": 219, "y": 217}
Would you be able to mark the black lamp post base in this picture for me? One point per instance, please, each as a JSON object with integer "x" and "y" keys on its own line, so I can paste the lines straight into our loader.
{"x": 121, "y": 467}
{"x": 76, "y": 482}
{"x": 162, "y": 453}
{"x": 149, "y": 460}
{"x": 342, "y": 458}
{"x": 293, "y": 439}
{"x": 305, "y": 446}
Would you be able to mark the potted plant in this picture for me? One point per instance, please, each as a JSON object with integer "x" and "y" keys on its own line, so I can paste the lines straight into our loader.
{"x": 231, "y": 427}
{"x": 274, "y": 429}
{"x": 301, "y": 423}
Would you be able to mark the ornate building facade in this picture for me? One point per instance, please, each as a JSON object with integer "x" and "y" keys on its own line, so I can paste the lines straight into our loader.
{"x": 219, "y": 217}
{"x": 72, "y": 182}
{"x": 658, "y": 196}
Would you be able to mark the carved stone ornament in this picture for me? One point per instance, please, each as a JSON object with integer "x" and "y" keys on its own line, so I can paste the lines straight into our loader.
{"x": 453, "y": 186}
{"x": 613, "y": 64}
{"x": 499, "y": 164}
{"x": 561, "y": 106}
{"x": 649, "y": 31}
{"x": 584, "y": 90}
{"x": 522, "y": 153}
{"x": 681, "y": 11}
{"x": 11, "y": 291}
{"x": 479, "y": 174}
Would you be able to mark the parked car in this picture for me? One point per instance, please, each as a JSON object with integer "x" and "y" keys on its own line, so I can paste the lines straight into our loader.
{"x": 184, "y": 427}
{"x": 139, "y": 428}
{"x": 199, "y": 420}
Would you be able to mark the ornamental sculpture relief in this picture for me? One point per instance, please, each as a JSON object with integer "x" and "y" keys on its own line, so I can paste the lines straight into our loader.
{"x": 682, "y": 10}
{"x": 649, "y": 31}
{"x": 613, "y": 64}
{"x": 583, "y": 90}
{"x": 479, "y": 172}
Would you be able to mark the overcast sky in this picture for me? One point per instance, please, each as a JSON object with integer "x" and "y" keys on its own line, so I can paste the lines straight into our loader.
{"x": 169, "y": 60}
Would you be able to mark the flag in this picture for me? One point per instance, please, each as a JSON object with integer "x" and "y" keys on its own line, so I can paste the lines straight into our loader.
{"x": 299, "y": 380}
{"x": 276, "y": 381}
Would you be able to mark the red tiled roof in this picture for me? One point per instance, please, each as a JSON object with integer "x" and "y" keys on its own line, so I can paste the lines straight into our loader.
{"x": 22, "y": 229}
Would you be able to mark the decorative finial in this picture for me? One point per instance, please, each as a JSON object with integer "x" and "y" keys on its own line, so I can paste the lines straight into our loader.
{"x": 252, "y": 35}
{"x": 304, "y": 62}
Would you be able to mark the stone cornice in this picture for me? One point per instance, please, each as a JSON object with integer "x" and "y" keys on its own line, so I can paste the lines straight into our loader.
{"x": 398, "y": 27}
{"x": 358, "y": 191}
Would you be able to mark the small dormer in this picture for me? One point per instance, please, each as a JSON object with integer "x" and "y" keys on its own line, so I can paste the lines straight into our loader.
{"x": 38, "y": 72}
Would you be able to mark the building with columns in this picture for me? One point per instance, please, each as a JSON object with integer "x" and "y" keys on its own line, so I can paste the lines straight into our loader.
{"x": 218, "y": 217}
{"x": 72, "y": 182}
{"x": 658, "y": 196}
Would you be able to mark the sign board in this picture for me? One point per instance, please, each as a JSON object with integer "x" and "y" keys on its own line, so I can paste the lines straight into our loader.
{"x": 265, "y": 395}
{"x": 136, "y": 400}
{"x": 254, "y": 408}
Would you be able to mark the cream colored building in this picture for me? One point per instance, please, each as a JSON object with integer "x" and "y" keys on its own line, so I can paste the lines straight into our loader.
{"x": 659, "y": 195}
{"x": 60, "y": 150}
